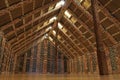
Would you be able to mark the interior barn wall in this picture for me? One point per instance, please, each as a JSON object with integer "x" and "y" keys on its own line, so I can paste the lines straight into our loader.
{"x": 5, "y": 55}
{"x": 41, "y": 59}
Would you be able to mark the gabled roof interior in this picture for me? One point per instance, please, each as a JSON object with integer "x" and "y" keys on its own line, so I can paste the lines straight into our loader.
{"x": 25, "y": 22}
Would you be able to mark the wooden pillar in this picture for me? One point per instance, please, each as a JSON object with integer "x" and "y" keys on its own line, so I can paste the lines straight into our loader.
{"x": 38, "y": 58}
{"x": 45, "y": 57}
{"x": 7, "y": 62}
{"x": 2, "y": 44}
{"x": 118, "y": 57}
{"x": 15, "y": 63}
{"x": 31, "y": 58}
{"x": 62, "y": 63}
{"x": 56, "y": 50}
{"x": 51, "y": 59}
{"x": 94, "y": 61}
{"x": 73, "y": 70}
{"x": 84, "y": 64}
{"x": 3, "y": 64}
{"x": 70, "y": 65}
{"x": 103, "y": 70}
{"x": 75, "y": 65}
{"x": 91, "y": 66}
{"x": 80, "y": 65}
{"x": 24, "y": 65}
{"x": 108, "y": 59}
{"x": 88, "y": 63}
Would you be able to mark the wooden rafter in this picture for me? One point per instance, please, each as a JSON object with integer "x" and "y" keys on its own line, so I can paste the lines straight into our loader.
{"x": 61, "y": 13}
{"x": 30, "y": 22}
{"x": 102, "y": 61}
{"x": 29, "y": 43}
{"x": 27, "y": 31}
{"x": 19, "y": 40}
{"x": 11, "y": 18}
{"x": 79, "y": 51}
{"x": 3, "y": 11}
{"x": 76, "y": 29}
{"x": 109, "y": 15}
{"x": 28, "y": 14}
{"x": 62, "y": 49}
{"x": 31, "y": 37}
{"x": 60, "y": 43}
{"x": 77, "y": 38}
{"x": 88, "y": 14}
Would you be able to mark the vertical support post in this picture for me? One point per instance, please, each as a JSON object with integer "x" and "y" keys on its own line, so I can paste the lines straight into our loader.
{"x": 2, "y": 45}
{"x": 82, "y": 61}
{"x": 84, "y": 64}
{"x": 91, "y": 67}
{"x": 80, "y": 67}
{"x": 15, "y": 63}
{"x": 56, "y": 49}
{"x": 68, "y": 67}
{"x": 70, "y": 63}
{"x": 31, "y": 58}
{"x": 75, "y": 65}
{"x": 51, "y": 60}
{"x": 4, "y": 64}
{"x": 24, "y": 65}
{"x": 62, "y": 60}
{"x": 100, "y": 49}
{"x": 7, "y": 62}
{"x": 45, "y": 56}
{"x": 38, "y": 58}
{"x": 108, "y": 59}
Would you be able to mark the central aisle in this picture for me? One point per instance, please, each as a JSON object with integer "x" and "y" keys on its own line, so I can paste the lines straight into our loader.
{"x": 58, "y": 77}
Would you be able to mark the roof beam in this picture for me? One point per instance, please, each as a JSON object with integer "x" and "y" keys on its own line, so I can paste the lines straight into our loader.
{"x": 26, "y": 32}
{"x": 38, "y": 18}
{"x": 11, "y": 18}
{"x": 67, "y": 3}
{"x": 3, "y": 11}
{"x": 101, "y": 56}
{"x": 27, "y": 15}
{"x": 77, "y": 38}
{"x": 109, "y": 15}
{"x": 82, "y": 23}
{"x": 70, "y": 40}
{"x": 62, "y": 49}
{"x": 29, "y": 34}
{"x": 60, "y": 43}
{"x": 91, "y": 18}
{"x": 78, "y": 31}
{"x": 61, "y": 13}
{"x": 31, "y": 37}
{"x": 31, "y": 41}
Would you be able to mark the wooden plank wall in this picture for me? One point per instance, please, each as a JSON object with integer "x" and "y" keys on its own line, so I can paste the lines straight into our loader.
{"x": 41, "y": 59}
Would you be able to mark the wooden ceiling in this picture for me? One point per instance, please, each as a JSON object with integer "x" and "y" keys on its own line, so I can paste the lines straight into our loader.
{"x": 24, "y": 22}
